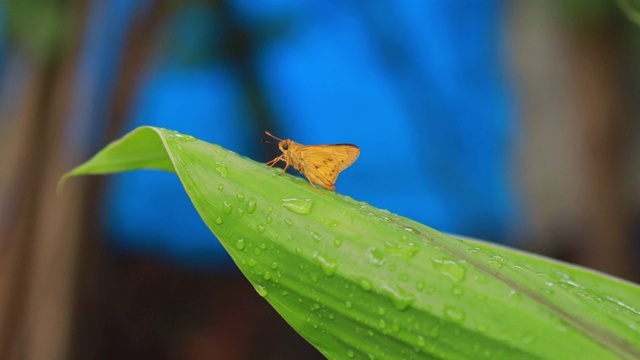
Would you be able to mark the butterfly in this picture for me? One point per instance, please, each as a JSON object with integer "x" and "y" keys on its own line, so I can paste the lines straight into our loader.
{"x": 320, "y": 164}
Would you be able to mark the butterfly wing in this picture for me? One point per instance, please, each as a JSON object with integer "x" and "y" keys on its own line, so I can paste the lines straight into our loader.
{"x": 323, "y": 163}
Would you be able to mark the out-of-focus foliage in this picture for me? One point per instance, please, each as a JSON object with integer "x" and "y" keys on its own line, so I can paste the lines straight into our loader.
{"x": 42, "y": 26}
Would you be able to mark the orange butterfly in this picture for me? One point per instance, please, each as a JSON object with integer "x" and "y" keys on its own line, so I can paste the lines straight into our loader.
{"x": 320, "y": 164}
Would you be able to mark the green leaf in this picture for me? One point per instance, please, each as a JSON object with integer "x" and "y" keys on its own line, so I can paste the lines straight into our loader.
{"x": 360, "y": 282}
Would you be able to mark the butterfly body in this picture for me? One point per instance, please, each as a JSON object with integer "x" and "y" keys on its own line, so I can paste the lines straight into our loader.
{"x": 320, "y": 164}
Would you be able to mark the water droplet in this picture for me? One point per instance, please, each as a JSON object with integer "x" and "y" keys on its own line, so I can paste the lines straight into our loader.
{"x": 457, "y": 291}
{"x": 220, "y": 187}
{"x": 515, "y": 295}
{"x": 348, "y": 304}
{"x": 496, "y": 265}
{"x": 375, "y": 256}
{"x": 315, "y": 277}
{"x": 412, "y": 230}
{"x": 183, "y": 138}
{"x": 404, "y": 250}
{"x": 334, "y": 223}
{"x": 316, "y": 306}
{"x": 240, "y": 244}
{"x": 240, "y": 196}
{"x": 421, "y": 341}
{"x": 239, "y": 212}
{"x": 381, "y": 311}
{"x": 365, "y": 284}
{"x": 400, "y": 297}
{"x": 269, "y": 208}
{"x": 274, "y": 265}
{"x": 450, "y": 268}
{"x": 298, "y": 206}
{"x": 288, "y": 222}
{"x": 261, "y": 228}
{"x": 351, "y": 354}
{"x": 221, "y": 169}
{"x": 420, "y": 285}
{"x": 262, "y": 291}
{"x": 454, "y": 313}
{"x": 328, "y": 266}
{"x": 268, "y": 219}
{"x": 267, "y": 276}
{"x": 226, "y": 207}
{"x": 337, "y": 242}
{"x": 251, "y": 205}
{"x": 218, "y": 220}
{"x": 382, "y": 324}
{"x": 315, "y": 236}
{"x": 252, "y": 262}
{"x": 263, "y": 246}
{"x": 222, "y": 154}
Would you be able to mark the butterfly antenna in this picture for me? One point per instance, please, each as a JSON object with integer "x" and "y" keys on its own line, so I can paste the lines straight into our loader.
{"x": 277, "y": 138}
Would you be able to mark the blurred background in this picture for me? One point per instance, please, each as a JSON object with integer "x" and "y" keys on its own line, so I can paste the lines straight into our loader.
{"x": 510, "y": 121}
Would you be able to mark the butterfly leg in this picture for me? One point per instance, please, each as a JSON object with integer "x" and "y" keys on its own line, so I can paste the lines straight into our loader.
{"x": 309, "y": 180}
{"x": 274, "y": 161}
{"x": 285, "y": 168}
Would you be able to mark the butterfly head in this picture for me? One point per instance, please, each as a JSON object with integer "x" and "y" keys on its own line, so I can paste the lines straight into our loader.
{"x": 284, "y": 145}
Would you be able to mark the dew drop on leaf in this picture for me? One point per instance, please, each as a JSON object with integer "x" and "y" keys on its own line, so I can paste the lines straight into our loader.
{"x": 348, "y": 304}
{"x": 184, "y": 138}
{"x": 251, "y": 205}
{"x": 412, "y": 230}
{"x": 375, "y": 256}
{"x": 262, "y": 291}
{"x": 298, "y": 206}
{"x": 221, "y": 169}
{"x": 240, "y": 244}
{"x": 226, "y": 207}
{"x": 315, "y": 236}
{"x": 454, "y": 313}
{"x": 400, "y": 297}
{"x": 365, "y": 284}
{"x": 452, "y": 269}
{"x": 405, "y": 250}
{"x": 328, "y": 266}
